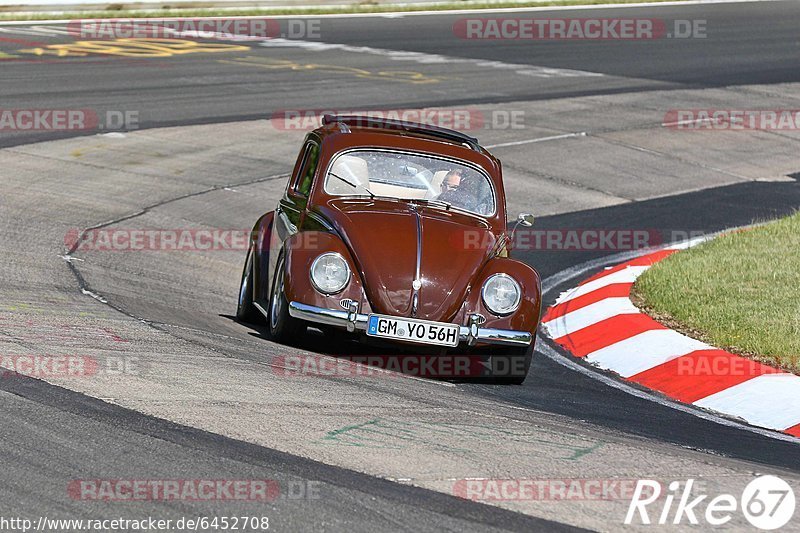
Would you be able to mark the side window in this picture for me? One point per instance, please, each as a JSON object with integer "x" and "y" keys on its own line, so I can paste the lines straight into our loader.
{"x": 306, "y": 176}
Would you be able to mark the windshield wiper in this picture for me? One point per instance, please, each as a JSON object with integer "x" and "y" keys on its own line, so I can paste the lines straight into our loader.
{"x": 440, "y": 203}
{"x": 353, "y": 185}
{"x": 448, "y": 207}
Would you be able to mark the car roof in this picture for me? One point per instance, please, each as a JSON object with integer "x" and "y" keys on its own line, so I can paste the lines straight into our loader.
{"x": 343, "y": 134}
{"x": 469, "y": 147}
{"x": 346, "y": 123}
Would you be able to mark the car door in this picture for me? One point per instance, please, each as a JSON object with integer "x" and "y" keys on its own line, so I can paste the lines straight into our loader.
{"x": 290, "y": 213}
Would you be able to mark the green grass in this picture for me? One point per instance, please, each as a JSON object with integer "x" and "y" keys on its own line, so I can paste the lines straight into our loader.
{"x": 740, "y": 292}
{"x": 118, "y": 11}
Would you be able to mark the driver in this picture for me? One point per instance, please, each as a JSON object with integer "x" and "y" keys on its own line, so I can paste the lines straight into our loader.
{"x": 450, "y": 185}
{"x": 456, "y": 190}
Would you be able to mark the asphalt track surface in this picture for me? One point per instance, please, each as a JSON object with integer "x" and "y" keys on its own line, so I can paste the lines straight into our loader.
{"x": 77, "y": 436}
{"x": 752, "y": 43}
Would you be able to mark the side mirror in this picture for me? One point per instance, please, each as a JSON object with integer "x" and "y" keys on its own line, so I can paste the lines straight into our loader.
{"x": 525, "y": 219}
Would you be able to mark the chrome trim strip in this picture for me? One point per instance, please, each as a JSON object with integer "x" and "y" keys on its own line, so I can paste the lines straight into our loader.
{"x": 321, "y": 315}
{"x": 417, "y": 280}
{"x": 335, "y": 317}
{"x": 500, "y": 336}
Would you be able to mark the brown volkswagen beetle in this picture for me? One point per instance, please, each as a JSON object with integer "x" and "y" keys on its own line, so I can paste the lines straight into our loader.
{"x": 395, "y": 232}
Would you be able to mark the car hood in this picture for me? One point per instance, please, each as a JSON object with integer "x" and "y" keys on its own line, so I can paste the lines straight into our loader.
{"x": 387, "y": 238}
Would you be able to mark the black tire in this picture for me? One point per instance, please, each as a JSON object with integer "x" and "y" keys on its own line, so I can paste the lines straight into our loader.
{"x": 283, "y": 327}
{"x": 245, "y": 310}
{"x": 510, "y": 366}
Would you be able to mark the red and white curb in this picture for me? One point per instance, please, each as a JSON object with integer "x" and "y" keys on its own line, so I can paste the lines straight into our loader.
{"x": 597, "y": 322}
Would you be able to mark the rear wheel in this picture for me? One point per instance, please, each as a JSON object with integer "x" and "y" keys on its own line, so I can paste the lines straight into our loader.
{"x": 245, "y": 310}
{"x": 282, "y": 326}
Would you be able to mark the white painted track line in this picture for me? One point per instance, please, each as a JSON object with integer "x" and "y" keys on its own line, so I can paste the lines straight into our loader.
{"x": 644, "y": 351}
{"x": 429, "y": 59}
{"x": 771, "y": 400}
{"x": 591, "y": 314}
{"x": 539, "y": 140}
{"x": 627, "y": 275}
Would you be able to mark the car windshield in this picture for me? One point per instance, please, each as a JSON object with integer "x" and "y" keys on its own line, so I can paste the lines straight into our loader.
{"x": 408, "y": 176}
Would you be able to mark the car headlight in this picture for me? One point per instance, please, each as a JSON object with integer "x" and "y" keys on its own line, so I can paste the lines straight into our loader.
{"x": 330, "y": 273}
{"x": 501, "y": 294}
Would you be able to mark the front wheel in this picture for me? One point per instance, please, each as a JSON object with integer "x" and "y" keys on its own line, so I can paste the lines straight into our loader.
{"x": 282, "y": 326}
{"x": 245, "y": 310}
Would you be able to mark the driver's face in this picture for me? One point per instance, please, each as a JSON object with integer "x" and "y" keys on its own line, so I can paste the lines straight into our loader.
{"x": 452, "y": 182}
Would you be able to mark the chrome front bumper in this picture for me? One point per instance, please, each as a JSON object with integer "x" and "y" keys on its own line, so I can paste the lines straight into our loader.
{"x": 355, "y": 321}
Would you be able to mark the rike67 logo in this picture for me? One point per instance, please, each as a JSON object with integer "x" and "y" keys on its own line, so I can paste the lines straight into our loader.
{"x": 767, "y": 502}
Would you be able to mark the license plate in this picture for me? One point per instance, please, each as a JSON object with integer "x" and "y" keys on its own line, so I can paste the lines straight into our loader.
{"x": 411, "y": 330}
